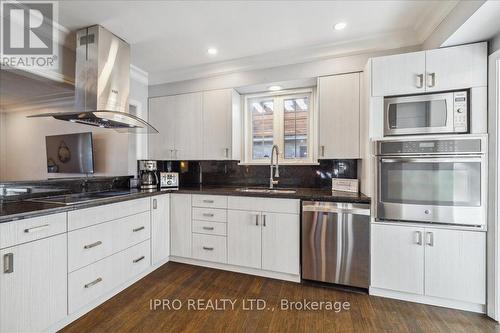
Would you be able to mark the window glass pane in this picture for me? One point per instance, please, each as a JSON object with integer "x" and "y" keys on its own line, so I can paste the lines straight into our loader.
{"x": 296, "y": 111}
{"x": 262, "y": 127}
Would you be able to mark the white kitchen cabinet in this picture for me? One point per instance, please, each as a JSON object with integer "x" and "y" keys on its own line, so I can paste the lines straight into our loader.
{"x": 280, "y": 242}
{"x": 398, "y": 74}
{"x": 180, "y": 225}
{"x": 244, "y": 239}
{"x": 456, "y": 67}
{"x": 449, "y": 68}
{"x": 188, "y": 127}
{"x": 455, "y": 265}
{"x": 162, "y": 115}
{"x": 160, "y": 228}
{"x": 34, "y": 294}
{"x": 397, "y": 258}
{"x": 339, "y": 101}
{"x": 219, "y": 109}
{"x": 441, "y": 263}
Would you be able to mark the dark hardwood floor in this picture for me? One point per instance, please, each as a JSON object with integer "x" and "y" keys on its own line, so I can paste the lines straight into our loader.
{"x": 130, "y": 311}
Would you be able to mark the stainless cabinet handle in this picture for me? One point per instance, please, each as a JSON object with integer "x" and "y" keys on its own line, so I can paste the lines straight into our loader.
{"x": 89, "y": 246}
{"x": 138, "y": 259}
{"x": 263, "y": 220}
{"x": 418, "y": 235}
{"x": 8, "y": 263}
{"x": 155, "y": 204}
{"x": 322, "y": 151}
{"x": 208, "y": 228}
{"x": 138, "y": 229}
{"x": 208, "y": 215}
{"x": 171, "y": 153}
{"x": 256, "y": 219}
{"x": 432, "y": 81}
{"x": 93, "y": 283}
{"x": 430, "y": 238}
{"x": 37, "y": 228}
{"x": 226, "y": 152}
{"x": 208, "y": 248}
{"x": 208, "y": 201}
{"x": 420, "y": 80}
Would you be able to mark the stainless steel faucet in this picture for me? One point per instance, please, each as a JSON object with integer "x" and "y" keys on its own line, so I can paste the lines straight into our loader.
{"x": 273, "y": 182}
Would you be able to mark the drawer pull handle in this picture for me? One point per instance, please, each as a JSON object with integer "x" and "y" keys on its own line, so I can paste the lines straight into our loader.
{"x": 208, "y": 228}
{"x": 208, "y": 248}
{"x": 155, "y": 204}
{"x": 138, "y": 229}
{"x": 89, "y": 246}
{"x": 208, "y": 201}
{"x": 93, "y": 283}
{"x": 38, "y": 228}
{"x": 8, "y": 263}
{"x": 138, "y": 259}
{"x": 208, "y": 214}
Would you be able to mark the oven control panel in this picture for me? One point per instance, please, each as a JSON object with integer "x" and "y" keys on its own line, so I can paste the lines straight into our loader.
{"x": 429, "y": 146}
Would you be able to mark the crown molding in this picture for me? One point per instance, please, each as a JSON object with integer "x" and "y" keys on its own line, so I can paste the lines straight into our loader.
{"x": 139, "y": 75}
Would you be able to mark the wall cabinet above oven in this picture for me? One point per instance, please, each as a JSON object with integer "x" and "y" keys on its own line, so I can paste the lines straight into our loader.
{"x": 450, "y": 68}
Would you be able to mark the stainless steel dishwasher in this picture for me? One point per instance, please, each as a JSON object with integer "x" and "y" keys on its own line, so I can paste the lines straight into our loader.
{"x": 336, "y": 243}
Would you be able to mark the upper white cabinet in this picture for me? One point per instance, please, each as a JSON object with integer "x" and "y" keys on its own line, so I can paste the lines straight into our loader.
{"x": 339, "y": 103}
{"x": 449, "y": 68}
{"x": 221, "y": 120}
{"x": 433, "y": 262}
{"x": 160, "y": 228}
{"x": 456, "y": 67}
{"x": 33, "y": 285}
{"x": 398, "y": 74}
{"x": 195, "y": 126}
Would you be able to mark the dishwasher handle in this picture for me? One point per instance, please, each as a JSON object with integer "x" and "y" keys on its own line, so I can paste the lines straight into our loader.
{"x": 336, "y": 209}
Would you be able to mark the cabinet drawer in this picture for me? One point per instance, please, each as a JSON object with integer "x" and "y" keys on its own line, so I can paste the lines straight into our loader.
{"x": 209, "y": 228}
{"x": 27, "y": 230}
{"x": 88, "y": 245}
{"x": 210, "y": 214}
{"x": 90, "y": 216}
{"x": 210, "y": 201}
{"x": 89, "y": 283}
{"x": 291, "y": 206}
{"x": 210, "y": 248}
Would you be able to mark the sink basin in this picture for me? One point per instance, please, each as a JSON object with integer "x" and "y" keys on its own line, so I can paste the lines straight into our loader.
{"x": 265, "y": 190}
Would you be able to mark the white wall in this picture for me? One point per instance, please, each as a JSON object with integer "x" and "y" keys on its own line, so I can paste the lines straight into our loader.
{"x": 22, "y": 146}
{"x": 345, "y": 64}
{"x": 494, "y": 44}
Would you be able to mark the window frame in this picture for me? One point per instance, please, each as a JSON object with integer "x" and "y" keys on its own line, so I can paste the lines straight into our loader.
{"x": 278, "y": 127}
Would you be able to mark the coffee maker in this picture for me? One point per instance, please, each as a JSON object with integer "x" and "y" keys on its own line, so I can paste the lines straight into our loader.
{"x": 147, "y": 175}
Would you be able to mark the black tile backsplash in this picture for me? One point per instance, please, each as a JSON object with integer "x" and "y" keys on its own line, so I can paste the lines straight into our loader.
{"x": 229, "y": 173}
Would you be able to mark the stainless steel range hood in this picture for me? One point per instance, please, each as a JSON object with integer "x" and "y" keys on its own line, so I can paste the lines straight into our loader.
{"x": 102, "y": 83}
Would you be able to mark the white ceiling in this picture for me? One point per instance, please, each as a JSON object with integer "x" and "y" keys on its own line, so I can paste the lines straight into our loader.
{"x": 169, "y": 39}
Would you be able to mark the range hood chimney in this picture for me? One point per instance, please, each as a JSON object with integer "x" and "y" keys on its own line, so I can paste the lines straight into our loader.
{"x": 102, "y": 83}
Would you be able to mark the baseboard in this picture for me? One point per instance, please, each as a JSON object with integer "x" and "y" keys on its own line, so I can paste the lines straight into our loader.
{"x": 436, "y": 301}
{"x": 89, "y": 307}
{"x": 237, "y": 269}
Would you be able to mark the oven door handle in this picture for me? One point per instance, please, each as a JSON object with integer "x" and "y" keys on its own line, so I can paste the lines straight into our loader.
{"x": 468, "y": 158}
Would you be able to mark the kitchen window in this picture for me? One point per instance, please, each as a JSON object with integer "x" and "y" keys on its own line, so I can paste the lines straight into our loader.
{"x": 284, "y": 119}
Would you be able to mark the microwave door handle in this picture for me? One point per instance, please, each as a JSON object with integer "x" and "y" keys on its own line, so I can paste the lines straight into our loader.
{"x": 432, "y": 160}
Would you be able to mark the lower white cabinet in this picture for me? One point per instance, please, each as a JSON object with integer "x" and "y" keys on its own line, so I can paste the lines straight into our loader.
{"x": 160, "y": 228}
{"x": 443, "y": 263}
{"x": 209, "y": 248}
{"x": 264, "y": 240}
{"x": 180, "y": 225}
{"x": 33, "y": 288}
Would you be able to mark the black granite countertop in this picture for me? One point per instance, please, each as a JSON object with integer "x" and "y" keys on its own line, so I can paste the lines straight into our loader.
{"x": 15, "y": 210}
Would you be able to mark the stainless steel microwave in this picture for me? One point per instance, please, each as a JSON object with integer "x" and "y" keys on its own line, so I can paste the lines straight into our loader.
{"x": 427, "y": 114}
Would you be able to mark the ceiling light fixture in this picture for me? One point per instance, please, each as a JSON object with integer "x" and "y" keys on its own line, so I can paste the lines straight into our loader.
{"x": 212, "y": 51}
{"x": 340, "y": 26}
{"x": 274, "y": 88}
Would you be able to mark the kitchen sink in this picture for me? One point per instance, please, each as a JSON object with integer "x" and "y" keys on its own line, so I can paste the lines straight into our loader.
{"x": 265, "y": 190}
{"x": 75, "y": 198}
